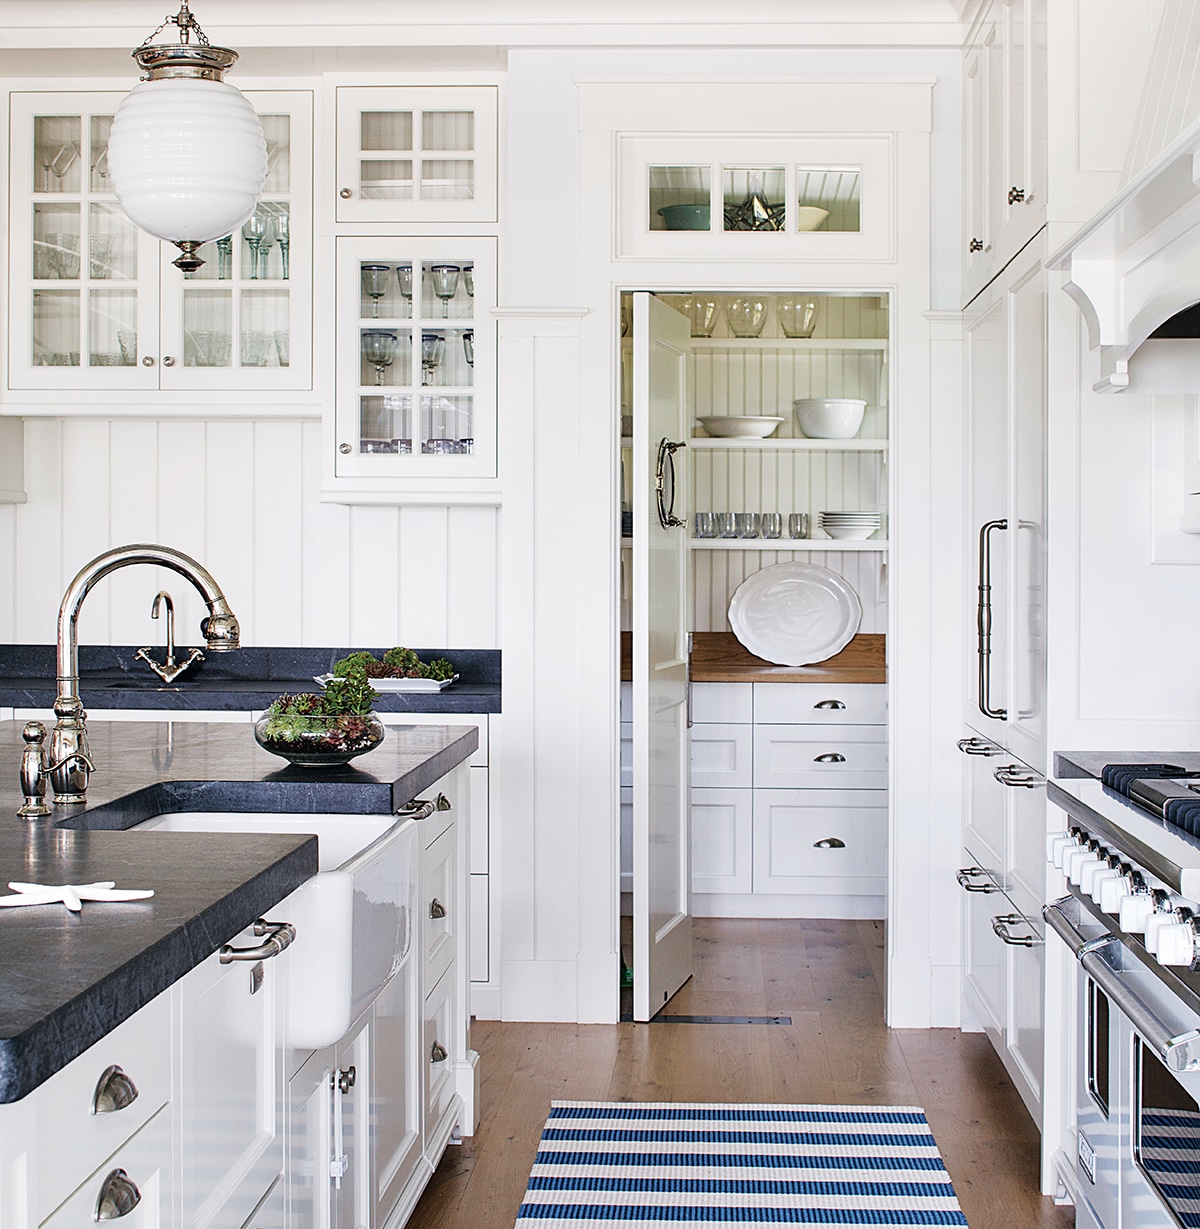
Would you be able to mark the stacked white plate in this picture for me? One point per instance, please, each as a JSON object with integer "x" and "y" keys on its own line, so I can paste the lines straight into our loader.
{"x": 850, "y": 525}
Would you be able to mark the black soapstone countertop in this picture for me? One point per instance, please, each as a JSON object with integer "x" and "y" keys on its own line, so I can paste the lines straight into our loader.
{"x": 1075, "y": 764}
{"x": 111, "y": 677}
{"x": 68, "y": 979}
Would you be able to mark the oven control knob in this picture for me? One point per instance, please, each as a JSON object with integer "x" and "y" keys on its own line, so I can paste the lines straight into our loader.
{"x": 1079, "y": 862}
{"x": 1156, "y": 923}
{"x": 1114, "y": 892}
{"x": 1056, "y": 846}
{"x": 1090, "y": 873}
{"x": 1096, "y": 891}
{"x": 1176, "y": 944}
{"x": 1135, "y": 910}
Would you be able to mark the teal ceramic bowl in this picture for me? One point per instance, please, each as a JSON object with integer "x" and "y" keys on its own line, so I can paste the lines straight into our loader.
{"x": 685, "y": 217}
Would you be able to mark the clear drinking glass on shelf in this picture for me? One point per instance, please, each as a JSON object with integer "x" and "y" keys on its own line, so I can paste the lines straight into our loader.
{"x": 798, "y": 524}
{"x": 433, "y": 346}
{"x": 797, "y": 315}
{"x": 468, "y": 275}
{"x": 283, "y": 341}
{"x": 747, "y": 524}
{"x": 726, "y": 525}
{"x": 374, "y": 283}
{"x": 772, "y": 525}
{"x": 283, "y": 228}
{"x": 404, "y": 275}
{"x": 254, "y": 349}
{"x": 445, "y": 284}
{"x": 255, "y": 232}
{"x": 469, "y": 347}
{"x": 746, "y": 314}
{"x": 127, "y": 340}
{"x": 101, "y": 255}
{"x": 705, "y": 524}
{"x": 225, "y": 257}
{"x": 264, "y": 253}
{"x": 379, "y": 349}
{"x": 702, "y": 311}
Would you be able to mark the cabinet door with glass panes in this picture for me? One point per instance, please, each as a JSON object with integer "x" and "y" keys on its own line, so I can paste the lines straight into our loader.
{"x": 95, "y": 303}
{"x": 416, "y": 357}
{"x": 416, "y": 153}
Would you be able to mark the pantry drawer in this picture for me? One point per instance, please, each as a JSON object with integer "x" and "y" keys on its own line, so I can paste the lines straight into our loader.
{"x": 723, "y": 702}
{"x": 821, "y": 841}
{"x": 806, "y": 757}
{"x": 722, "y": 756}
{"x": 438, "y": 907}
{"x": 437, "y": 1058}
{"x": 819, "y": 704}
{"x": 140, "y": 1049}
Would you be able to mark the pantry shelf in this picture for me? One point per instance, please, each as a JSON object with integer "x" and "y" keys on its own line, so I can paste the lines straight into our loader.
{"x": 789, "y": 545}
{"x": 788, "y": 445}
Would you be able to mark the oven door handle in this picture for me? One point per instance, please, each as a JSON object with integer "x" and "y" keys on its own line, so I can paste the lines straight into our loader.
{"x": 1178, "y": 1051}
{"x": 1062, "y": 925}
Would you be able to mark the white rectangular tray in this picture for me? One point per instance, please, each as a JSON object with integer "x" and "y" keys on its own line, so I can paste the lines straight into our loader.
{"x": 382, "y": 685}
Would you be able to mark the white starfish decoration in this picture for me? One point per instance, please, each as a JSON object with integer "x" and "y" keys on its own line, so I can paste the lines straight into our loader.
{"x": 72, "y": 895}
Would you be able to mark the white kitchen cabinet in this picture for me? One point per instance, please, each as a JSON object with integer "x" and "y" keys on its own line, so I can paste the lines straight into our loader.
{"x": 417, "y": 153}
{"x": 96, "y": 305}
{"x": 1004, "y": 104}
{"x": 416, "y": 373}
{"x": 722, "y": 839}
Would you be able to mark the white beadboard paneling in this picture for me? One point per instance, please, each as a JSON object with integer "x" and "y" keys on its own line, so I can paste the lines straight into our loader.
{"x": 278, "y": 531}
{"x": 38, "y": 575}
{"x": 230, "y": 526}
{"x": 85, "y": 511}
{"x": 132, "y": 461}
{"x": 424, "y": 566}
{"x": 474, "y": 578}
{"x": 8, "y": 562}
{"x": 374, "y": 575}
{"x": 182, "y": 504}
{"x": 325, "y": 575}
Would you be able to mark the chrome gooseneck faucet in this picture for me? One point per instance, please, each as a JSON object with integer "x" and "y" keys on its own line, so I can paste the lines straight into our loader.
{"x": 69, "y": 765}
{"x": 170, "y": 669}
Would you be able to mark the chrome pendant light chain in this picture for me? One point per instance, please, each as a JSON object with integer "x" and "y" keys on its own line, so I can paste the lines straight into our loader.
{"x": 185, "y": 22}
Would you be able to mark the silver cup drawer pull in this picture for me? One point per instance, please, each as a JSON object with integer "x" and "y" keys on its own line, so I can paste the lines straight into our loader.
{"x": 829, "y": 842}
{"x": 118, "y": 1197}
{"x": 279, "y": 936}
{"x": 830, "y": 757}
{"x": 829, "y": 704}
{"x": 114, "y": 1091}
{"x": 438, "y": 1053}
{"x": 436, "y": 909}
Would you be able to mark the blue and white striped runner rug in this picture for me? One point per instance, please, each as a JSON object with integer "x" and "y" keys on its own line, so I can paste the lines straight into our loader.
{"x": 645, "y": 1164}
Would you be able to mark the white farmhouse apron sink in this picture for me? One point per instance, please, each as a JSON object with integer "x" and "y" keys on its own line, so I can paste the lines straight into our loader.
{"x": 353, "y": 919}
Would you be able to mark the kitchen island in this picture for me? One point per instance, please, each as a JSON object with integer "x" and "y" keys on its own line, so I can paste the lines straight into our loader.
{"x": 66, "y": 980}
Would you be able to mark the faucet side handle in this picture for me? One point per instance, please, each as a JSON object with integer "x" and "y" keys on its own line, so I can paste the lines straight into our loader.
{"x": 35, "y": 768}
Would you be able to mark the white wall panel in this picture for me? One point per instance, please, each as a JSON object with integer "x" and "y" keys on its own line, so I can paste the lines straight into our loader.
{"x": 242, "y": 497}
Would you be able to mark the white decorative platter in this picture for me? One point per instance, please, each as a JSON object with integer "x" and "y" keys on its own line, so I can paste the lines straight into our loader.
{"x": 382, "y": 685}
{"x": 794, "y": 614}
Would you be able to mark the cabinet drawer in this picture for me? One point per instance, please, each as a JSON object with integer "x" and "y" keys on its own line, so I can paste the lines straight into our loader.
{"x": 818, "y": 704}
{"x": 805, "y": 757}
{"x": 141, "y": 1048}
{"x": 438, "y": 1040}
{"x": 145, "y": 1161}
{"x": 722, "y": 840}
{"x": 731, "y": 702}
{"x": 819, "y": 841}
{"x": 438, "y": 907}
{"x": 722, "y": 756}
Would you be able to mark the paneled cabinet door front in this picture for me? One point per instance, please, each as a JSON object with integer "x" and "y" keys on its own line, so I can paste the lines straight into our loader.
{"x": 396, "y": 1088}
{"x": 231, "y": 1088}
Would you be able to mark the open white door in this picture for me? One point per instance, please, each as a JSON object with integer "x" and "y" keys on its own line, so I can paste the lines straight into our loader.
{"x": 662, "y": 921}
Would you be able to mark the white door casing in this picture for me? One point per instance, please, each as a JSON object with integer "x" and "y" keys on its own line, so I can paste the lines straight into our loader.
{"x": 662, "y": 930}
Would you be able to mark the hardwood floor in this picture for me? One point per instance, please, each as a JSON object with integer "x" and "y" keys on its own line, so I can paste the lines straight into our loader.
{"x": 827, "y": 975}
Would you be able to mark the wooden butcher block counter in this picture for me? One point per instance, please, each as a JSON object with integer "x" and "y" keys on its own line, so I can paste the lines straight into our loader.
{"x": 719, "y": 657}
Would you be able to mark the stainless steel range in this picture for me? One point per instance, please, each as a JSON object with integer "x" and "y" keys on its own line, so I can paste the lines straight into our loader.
{"x": 1132, "y": 858}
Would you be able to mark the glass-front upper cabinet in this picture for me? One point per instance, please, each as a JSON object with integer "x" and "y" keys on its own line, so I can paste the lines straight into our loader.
{"x": 416, "y": 358}
{"x": 818, "y": 197}
{"x": 96, "y": 304}
{"x": 416, "y": 153}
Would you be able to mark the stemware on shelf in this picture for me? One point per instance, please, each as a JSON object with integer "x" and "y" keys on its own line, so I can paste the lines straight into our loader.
{"x": 379, "y": 348}
{"x": 127, "y": 340}
{"x": 797, "y": 315}
{"x": 746, "y": 314}
{"x": 445, "y": 284}
{"x": 63, "y": 161}
{"x": 433, "y": 346}
{"x": 374, "y": 283}
{"x": 702, "y": 311}
{"x": 283, "y": 232}
{"x": 101, "y": 259}
{"x": 264, "y": 251}
{"x": 255, "y": 232}
{"x": 404, "y": 275}
{"x": 468, "y": 274}
{"x": 469, "y": 347}
{"x": 225, "y": 258}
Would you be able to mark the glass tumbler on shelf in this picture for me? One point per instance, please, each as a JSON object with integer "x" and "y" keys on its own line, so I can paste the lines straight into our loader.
{"x": 468, "y": 276}
{"x": 747, "y": 524}
{"x": 772, "y": 525}
{"x": 746, "y": 315}
{"x": 379, "y": 349}
{"x": 702, "y": 311}
{"x": 433, "y": 345}
{"x": 705, "y": 524}
{"x": 283, "y": 346}
{"x": 469, "y": 347}
{"x": 101, "y": 255}
{"x": 445, "y": 284}
{"x": 726, "y": 525}
{"x": 798, "y": 524}
{"x": 127, "y": 340}
{"x": 374, "y": 283}
{"x": 797, "y": 315}
{"x": 254, "y": 349}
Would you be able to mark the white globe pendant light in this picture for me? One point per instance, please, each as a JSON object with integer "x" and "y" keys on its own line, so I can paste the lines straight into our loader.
{"x": 186, "y": 153}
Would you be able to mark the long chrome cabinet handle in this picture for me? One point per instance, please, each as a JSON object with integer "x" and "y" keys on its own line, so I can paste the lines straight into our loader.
{"x": 1000, "y": 927}
{"x": 279, "y": 936}
{"x": 968, "y": 873}
{"x": 977, "y": 746}
{"x": 984, "y": 620}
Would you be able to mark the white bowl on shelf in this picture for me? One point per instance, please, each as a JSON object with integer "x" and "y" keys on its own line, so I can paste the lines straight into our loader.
{"x": 809, "y": 217}
{"x": 829, "y": 418}
{"x": 740, "y": 426}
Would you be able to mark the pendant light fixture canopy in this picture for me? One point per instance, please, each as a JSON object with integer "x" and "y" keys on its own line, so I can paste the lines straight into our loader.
{"x": 186, "y": 153}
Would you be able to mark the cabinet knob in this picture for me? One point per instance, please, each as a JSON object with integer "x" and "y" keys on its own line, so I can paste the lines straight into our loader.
{"x": 168, "y": 361}
{"x": 829, "y": 704}
{"x": 119, "y": 1195}
{"x": 976, "y": 245}
{"x": 114, "y": 1091}
{"x": 345, "y": 449}
{"x": 1016, "y": 196}
{"x": 436, "y": 908}
{"x": 347, "y": 1079}
{"x": 345, "y": 194}
{"x": 439, "y": 1053}
{"x": 830, "y": 757}
{"x": 147, "y": 360}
